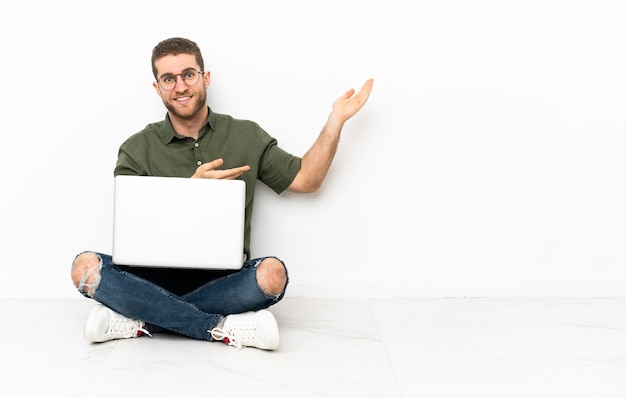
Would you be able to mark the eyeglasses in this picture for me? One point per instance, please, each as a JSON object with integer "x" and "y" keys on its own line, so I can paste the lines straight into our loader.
{"x": 190, "y": 77}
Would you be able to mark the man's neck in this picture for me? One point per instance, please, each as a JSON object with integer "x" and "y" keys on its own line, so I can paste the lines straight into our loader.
{"x": 189, "y": 127}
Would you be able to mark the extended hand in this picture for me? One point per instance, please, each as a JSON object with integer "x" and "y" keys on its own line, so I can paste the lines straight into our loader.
{"x": 207, "y": 170}
{"x": 349, "y": 104}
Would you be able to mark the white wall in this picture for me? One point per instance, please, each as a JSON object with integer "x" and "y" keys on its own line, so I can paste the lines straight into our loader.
{"x": 488, "y": 161}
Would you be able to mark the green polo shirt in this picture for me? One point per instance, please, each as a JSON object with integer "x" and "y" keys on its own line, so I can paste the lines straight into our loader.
{"x": 158, "y": 150}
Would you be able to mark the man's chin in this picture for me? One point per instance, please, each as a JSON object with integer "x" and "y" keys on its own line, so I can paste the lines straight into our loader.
{"x": 182, "y": 113}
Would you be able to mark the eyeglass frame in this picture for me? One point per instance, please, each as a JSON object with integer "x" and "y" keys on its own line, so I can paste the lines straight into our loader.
{"x": 199, "y": 72}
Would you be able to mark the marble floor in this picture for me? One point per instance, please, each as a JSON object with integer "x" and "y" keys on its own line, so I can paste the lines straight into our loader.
{"x": 413, "y": 347}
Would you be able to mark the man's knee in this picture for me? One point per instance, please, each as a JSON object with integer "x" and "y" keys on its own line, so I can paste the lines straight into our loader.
{"x": 272, "y": 276}
{"x": 86, "y": 272}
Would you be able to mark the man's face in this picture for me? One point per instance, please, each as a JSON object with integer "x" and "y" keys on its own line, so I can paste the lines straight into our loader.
{"x": 182, "y": 100}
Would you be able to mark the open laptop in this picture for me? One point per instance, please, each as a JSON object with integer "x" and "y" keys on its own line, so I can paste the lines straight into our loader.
{"x": 178, "y": 222}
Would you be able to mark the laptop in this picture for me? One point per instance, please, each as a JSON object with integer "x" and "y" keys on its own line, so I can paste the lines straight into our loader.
{"x": 174, "y": 222}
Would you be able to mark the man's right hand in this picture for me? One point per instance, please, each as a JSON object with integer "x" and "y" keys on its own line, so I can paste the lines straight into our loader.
{"x": 207, "y": 170}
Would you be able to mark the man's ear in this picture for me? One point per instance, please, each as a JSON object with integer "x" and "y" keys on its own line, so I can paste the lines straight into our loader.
{"x": 157, "y": 88}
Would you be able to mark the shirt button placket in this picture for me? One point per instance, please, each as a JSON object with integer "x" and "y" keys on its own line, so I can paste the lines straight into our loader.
{"x": 198, "y": 160}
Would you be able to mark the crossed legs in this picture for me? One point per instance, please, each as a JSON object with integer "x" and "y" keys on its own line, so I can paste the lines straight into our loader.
{"x": 258, "y": 285}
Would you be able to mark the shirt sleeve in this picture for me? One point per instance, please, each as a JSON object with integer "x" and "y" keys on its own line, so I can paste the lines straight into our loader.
{"x": 126, "y": 165}
{"x": 278, "y": 168}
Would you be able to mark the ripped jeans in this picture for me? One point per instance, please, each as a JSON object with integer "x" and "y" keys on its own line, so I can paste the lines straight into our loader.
{"x": 191, "y": 314}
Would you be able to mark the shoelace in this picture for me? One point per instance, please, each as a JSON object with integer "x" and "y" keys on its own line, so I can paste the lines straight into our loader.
{"x": 120, "y": 325}
{"x": 235, "y": 336}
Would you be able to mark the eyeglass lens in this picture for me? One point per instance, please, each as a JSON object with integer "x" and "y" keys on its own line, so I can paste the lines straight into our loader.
{"x": 190, "y": 77}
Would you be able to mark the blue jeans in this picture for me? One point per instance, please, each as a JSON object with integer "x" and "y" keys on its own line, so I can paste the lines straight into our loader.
{"x": 191, "y": 314}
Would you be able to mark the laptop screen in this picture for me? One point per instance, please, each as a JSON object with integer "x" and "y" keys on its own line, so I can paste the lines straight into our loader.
{"x": 178, "y": 222}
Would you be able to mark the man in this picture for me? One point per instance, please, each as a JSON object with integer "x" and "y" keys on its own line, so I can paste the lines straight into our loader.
{"x": 193, "y": 141}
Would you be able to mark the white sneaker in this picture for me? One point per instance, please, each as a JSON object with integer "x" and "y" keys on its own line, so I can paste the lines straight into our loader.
{"x": 253, "y": 329}
{"x": 104, "y": 324}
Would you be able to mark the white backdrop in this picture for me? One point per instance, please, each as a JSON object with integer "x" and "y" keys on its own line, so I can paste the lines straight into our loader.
{"x": 488, "y": 161}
